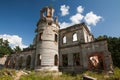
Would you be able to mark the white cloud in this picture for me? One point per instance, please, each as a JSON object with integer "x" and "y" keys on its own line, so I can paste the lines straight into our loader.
{"x": 80, "y": 9}
{"x": 76, "y": 18}
{"x": 64, "y": 10}
{"x": 91, "y": 18}
{"x": 14, "y": 40}
{"x": 64, "y": 24}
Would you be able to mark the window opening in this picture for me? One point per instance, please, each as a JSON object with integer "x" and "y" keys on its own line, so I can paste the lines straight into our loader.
{"x": 38, "y": 60}
{"x": 76, "y": 59}
{"x": 75, "y": 37}
{"x": 65, "y": 60}
{"x": 64, "y": 39}
{"x": 56, "y": 37}
{"x": 40, "y": 35}
{"x": 56, "y": 60}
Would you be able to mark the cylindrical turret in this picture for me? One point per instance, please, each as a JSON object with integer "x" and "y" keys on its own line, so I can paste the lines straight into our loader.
{"x": 47, "y": 42}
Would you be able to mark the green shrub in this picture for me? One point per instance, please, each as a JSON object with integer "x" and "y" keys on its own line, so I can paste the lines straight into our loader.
{"x": 116, "y": 75}
{"x": 6, "y": 77}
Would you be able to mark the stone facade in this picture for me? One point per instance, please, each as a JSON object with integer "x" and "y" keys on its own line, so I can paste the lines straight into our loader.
{"x": 79, "y": 51}
{"x": 72, "y": 49}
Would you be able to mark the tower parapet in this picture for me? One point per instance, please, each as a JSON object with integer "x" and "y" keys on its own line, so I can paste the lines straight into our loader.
{"x": 48, "y": 10}
{"x": 47, "y": 15}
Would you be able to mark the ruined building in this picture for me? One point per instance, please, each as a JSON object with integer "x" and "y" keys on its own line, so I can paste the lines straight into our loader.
{"x": 72, "y": 49}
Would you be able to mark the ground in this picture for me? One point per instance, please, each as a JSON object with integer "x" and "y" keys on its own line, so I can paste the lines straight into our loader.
{"x": 8, "y": 74}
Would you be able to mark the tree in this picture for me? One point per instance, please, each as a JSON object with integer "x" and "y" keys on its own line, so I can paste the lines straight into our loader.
{"x": 5, "y": 48}
{"x": 113, "y": 47}
{"x": 17, "y": 49}
{"x": 101, "y": 38}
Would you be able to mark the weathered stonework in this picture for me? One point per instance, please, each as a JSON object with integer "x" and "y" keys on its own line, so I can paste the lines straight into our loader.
{"x": 72, "y": 49}
{"x": 47, "y": 42}
{"x": 85, "y": 47}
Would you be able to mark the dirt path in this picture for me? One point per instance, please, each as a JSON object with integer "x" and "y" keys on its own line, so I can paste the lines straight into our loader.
{"x": 18, "y": 74}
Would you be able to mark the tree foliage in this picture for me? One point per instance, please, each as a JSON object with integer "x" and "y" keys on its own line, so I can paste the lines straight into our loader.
{"x": 114, "y": 48}
{"x": 17, "y": 49}
{"x": 4, "y": 47}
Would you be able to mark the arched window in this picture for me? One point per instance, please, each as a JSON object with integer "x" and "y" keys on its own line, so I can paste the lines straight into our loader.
{"x": 40, "y": 34}
{"x": 96, "y": 62}
{"x": 38, "y": 60}
{"x": 49, "y": 23}
{"x": 20, "y": 62}
{"x": 28, "y": 62}
{"x": 64, "y": 39}
{"x": 14, "y": 62}
{"x": 75, "y": 37}
{"x": 56, "y": 37}
{"x": 56, "y": 60}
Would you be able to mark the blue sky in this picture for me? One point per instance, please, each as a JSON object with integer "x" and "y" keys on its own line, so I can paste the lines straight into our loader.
{"x": 18, "y": 18}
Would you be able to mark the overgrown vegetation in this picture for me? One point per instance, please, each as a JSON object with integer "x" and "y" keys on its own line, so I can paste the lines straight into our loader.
{"x": 7, "y": 74}
{"x": 114, "y": 48}
{"x": 49, "y": 76}
{"x": 45, "y": 76}
{"x": 10, "y": 74}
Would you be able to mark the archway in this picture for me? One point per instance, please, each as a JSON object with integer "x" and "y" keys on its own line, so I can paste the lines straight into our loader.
{"x": 28, "y": 62}
{"x": 14, "y": 62}
{"x": 20, "y": 62}
{"x": 56, "y": 60}
{"x": 7, "y": 62}
{"x": 96, "y": 61}
{"x": 38, "y": 60}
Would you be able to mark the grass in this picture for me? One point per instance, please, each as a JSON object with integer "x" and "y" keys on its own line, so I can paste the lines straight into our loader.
{"x": 8, "y": 74}
{"x": 105, "y": 76}
{"x": 36, "y": 76}
{"x": 48, "y": 76}
{"x": 116, "y": 75}
{"x": 64, "y": 76}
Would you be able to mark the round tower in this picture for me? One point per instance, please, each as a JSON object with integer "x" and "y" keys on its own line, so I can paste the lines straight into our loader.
{"x": 47, "y": 56}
